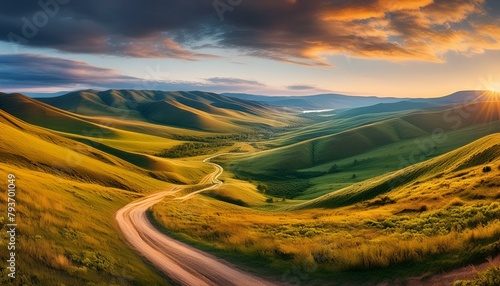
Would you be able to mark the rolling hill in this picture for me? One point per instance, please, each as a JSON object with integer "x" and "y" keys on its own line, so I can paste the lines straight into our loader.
{"x": 193, "y": 110}
{"x": 70, "y": 159}
{"x": 437, "y": 173}
{"x": 44, "y": 115}
{"x": 358, "y": 140}
{"x": 67, "y": 193}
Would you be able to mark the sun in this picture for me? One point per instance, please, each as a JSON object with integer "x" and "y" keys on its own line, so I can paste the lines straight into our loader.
{"x": 494, "y": 88}
{"x": 494, "y": 92}
{"x": 491, "y": 85}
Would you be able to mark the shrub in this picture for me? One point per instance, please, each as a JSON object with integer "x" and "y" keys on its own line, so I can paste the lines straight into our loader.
{"x": 334, "y": 169}
{"x": 489, "y": 277}
{"x": 262, "y": 188}
{"x": 486, "y": 169}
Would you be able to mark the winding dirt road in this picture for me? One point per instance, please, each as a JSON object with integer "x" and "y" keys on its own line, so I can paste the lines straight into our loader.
{"x": 181, "y": 262}
{"x": 189, "y": 266}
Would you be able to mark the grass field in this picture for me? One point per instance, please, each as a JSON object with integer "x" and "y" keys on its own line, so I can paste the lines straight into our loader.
{"x": 442, "y": 218}
{"x": 383, "y": 196}
{"x": 67, "y": 194}
{"x": 383, "y": 131}
{"x": 73, "y": 173}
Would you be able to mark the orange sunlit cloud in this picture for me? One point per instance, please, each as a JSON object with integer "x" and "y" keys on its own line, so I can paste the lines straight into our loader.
{"x": 422, "y": 27}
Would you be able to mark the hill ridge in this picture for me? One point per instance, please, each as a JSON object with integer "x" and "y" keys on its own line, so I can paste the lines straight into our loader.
{"x": 200, "y": 110}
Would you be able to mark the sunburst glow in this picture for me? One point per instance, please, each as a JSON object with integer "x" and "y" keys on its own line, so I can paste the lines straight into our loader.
{"x": 495, "y": 88}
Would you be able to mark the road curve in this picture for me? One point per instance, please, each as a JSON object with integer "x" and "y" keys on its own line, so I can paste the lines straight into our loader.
{"x": 181, "y": 262}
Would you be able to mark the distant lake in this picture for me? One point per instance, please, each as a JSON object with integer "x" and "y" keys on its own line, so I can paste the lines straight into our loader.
{"x": 319, "y": 110}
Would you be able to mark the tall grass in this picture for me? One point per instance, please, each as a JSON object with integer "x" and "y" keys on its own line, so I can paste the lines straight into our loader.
{"x": 339, "y": 243}
{"x": 66, "y": 234}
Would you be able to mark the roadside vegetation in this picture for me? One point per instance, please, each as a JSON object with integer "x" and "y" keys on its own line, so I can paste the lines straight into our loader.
{"x": 192, "y": 149}
{"x": 489, "y": 277}
{"x": 340, "y": 241}
{"x": 431, "y": 223}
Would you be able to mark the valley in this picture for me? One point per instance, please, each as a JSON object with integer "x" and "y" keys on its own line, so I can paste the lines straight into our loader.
{"x": 389, "y": 190}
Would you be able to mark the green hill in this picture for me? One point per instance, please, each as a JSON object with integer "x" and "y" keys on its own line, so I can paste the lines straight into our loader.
{"x": 67, "y": 194}
{"x": 66, "y": 158}
{"x": 193, "y": 110}
{"x": 481, "y": 152}
{"x": 44, "y": 115}
{"x": 355, "y": 141}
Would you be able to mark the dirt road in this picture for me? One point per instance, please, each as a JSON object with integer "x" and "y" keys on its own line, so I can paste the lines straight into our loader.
{"x": 181, "y": 262}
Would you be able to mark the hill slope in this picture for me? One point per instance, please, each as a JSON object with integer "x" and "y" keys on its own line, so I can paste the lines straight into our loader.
{"x": 67, "y": 193}
{"x": 66, "y": 158}
{"x": 485, "y": 151}
{"x": 193, "y": 110}
{"x": 44, "y": 115}
{"x": 358, "y": 140}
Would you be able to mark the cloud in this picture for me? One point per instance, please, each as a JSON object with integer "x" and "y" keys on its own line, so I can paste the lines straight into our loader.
{"x": 35, "y": 71}
{"x": 29, "y": 72}
{"x": 299, "y": 31}
{"x": 234, "y": 81}
{"x": 132, "y": 28}
{"x": 300, "y": 87}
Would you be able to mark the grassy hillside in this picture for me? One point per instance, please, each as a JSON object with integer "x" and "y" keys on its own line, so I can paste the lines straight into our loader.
{"x": 438, "y": 215}
{"x": 41, "y": 114}
{"x": 348, "y": 171}
{"x": 480, "y": 152}
{"x": 193, "y": 110}
{"x": 67, "y": 193}
{"x": 317, "y": 166}
{"x": 362, "y": 139}
{"x": 98, "y": 128}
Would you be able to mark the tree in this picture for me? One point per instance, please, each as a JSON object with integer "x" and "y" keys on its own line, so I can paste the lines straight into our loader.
{"x": 313, "y": 152}
{"x": 333, "y": 169}
{"x": 262, "y": 188}
{"x": 355, "y": 162}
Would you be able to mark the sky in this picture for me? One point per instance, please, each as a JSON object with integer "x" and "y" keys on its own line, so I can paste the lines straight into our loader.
{"x": 417, "y": 48}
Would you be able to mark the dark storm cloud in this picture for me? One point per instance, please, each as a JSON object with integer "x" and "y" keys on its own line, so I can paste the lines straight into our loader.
{"x": 296, "y": 31}
{"x": 125, "y": 28}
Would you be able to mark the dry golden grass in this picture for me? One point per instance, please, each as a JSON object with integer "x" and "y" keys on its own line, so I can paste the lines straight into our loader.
{"x": 61, "y": 221}
{"x": 442, "y": 222}
{"x": 67, "y": 194}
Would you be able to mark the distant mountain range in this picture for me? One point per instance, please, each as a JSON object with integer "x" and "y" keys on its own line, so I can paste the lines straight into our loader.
{"x": 369, "y": 104}
{"x": 316, "y": 102}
